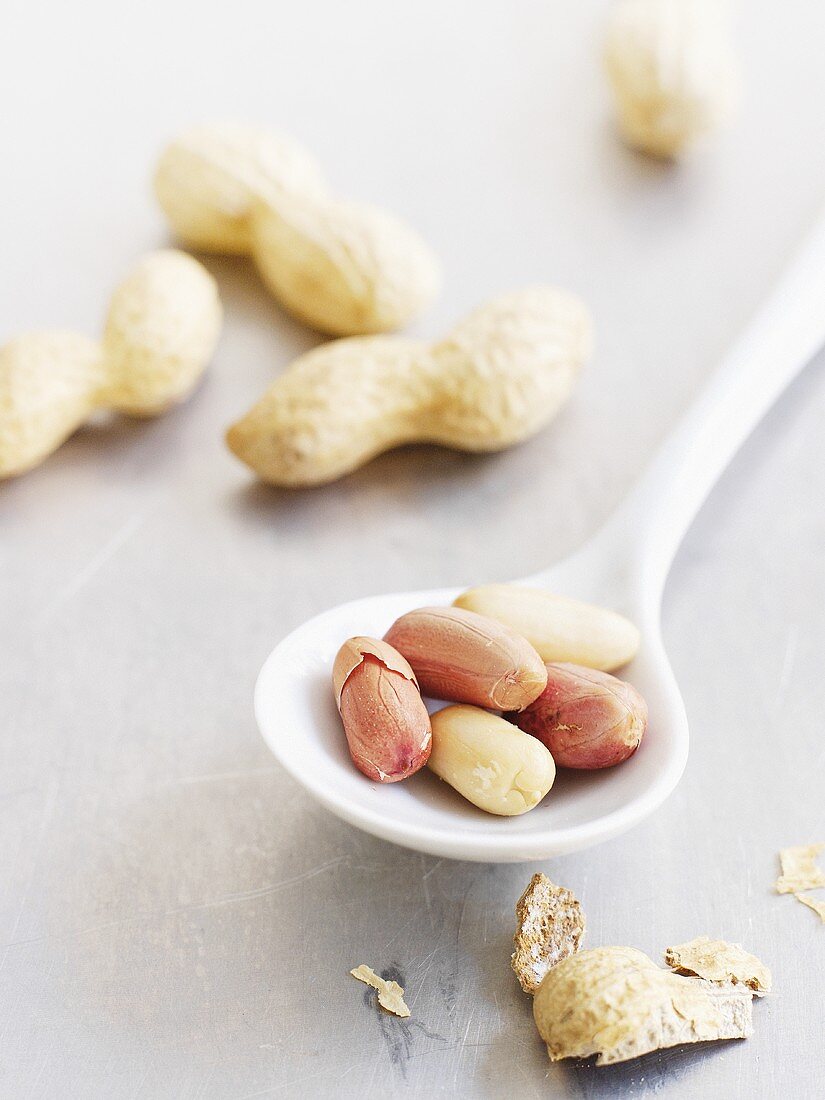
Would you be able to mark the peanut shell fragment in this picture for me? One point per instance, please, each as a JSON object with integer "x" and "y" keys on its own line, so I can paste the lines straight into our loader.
{"x": 719, "y": 962}
{"x": 616, "y": 1003}
{"x": 390, "y": 994}
{"x": 550, "y": 926}
{"x": 799, "y": 869}
{"x": 816, "y": 904}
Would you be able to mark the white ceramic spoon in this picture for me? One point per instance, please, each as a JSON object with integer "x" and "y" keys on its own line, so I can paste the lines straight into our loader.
{"x": 624, "y": 567}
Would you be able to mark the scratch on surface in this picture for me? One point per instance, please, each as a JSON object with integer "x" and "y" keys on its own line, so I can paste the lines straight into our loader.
{"x": 434, "y": 867}
{"x": 426, "y": 888}
{"x": 787, "y": 666}
{"x": 93, "y": 566}
{"x": 427, "y": 901}
{"x": 295, "y": 1082}
{"x": 369, "y": 1088}
{"x": 748, "y": 878}
{"x": 461, "y": 915}
{"x": 527, "y": 1079}
{"x": 41, "y": 1070}
{"x": 260, "y": 892}
{"x": 216, "y": 777}
{"x": 400, "y": 932}
{"x": 45, "y": 818}
{"x": 479, "y": 1043}
{"x": 143, "y": 1078}
{"x": 226, "y": 899}
{"x": 461, "y": 1049}
{"x": 420, "y": 974}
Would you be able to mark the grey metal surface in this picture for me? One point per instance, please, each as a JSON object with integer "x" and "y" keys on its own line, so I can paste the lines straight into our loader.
{"x": 177, "y": 919}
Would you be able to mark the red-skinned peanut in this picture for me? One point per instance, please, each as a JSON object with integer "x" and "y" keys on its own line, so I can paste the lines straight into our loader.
{"x": 385, "y": 719}
{"x": 586, "y": 718}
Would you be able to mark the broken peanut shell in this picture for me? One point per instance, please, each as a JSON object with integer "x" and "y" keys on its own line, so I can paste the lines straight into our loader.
{"x": 615, "y": 1002}
{"x": 800, "y": 871}
{"x": 550, "y": 926}
{"x": 720, "y": 962}
{"x": 390, "y": 994}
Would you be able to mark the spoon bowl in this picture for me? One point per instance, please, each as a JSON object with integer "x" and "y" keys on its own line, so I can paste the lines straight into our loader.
{"x": 297, "y": 715}
{"x": 624, "y": 568}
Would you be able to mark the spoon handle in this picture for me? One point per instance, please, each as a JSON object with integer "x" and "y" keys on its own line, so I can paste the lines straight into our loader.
{"x": 782, "y": 337}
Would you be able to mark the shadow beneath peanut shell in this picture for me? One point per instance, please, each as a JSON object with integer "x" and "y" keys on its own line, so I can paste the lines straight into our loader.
{"x": 405, "y": 472}
{"x": 258, "y": 341}
{"x": 634, "y": 175}
{"x": 245, "y": 297}
{"x": 108, "y": 446}
{"x": 650, "y": 1073}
